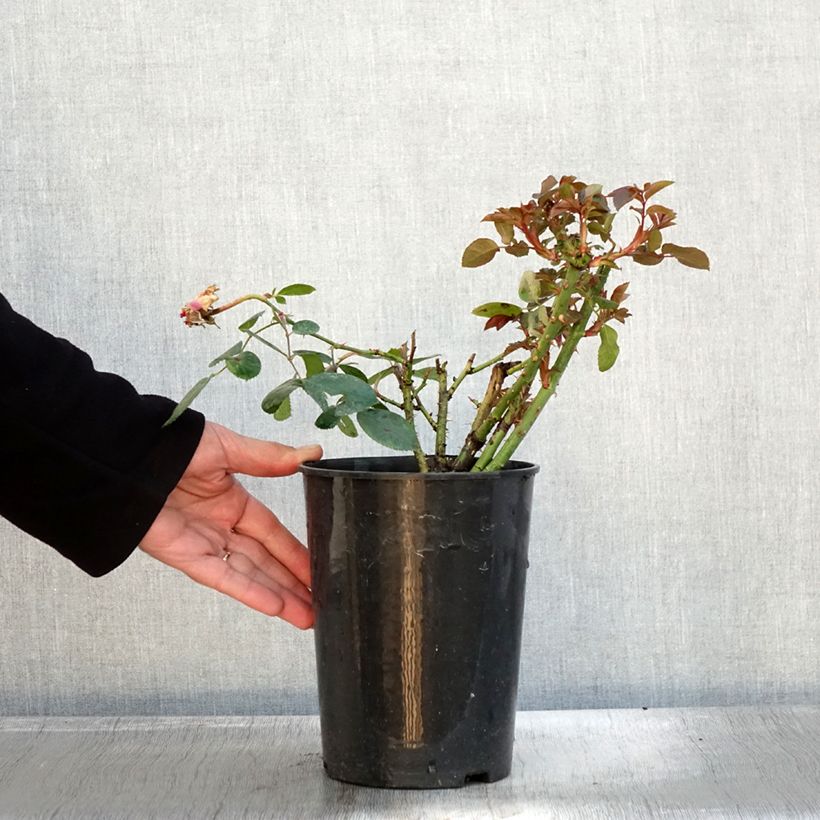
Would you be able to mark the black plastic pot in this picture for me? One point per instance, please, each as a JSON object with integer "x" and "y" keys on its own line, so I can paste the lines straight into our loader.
{"x": 418, "y": 589}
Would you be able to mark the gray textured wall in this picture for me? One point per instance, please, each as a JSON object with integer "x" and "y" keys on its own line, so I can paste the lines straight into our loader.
{"x": 149, "y": 148}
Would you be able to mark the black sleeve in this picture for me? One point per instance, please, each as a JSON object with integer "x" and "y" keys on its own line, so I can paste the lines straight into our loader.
{"x": 85, "y": 464}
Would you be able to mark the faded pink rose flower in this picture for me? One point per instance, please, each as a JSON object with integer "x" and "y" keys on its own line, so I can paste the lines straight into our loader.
{"x": 198, "y": 310}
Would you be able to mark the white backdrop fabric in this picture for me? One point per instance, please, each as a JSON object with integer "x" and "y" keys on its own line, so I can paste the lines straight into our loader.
{"x": 149, "y": 148}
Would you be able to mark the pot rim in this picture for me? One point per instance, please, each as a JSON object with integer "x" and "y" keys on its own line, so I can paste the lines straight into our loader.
{"x": 357, "y": 467}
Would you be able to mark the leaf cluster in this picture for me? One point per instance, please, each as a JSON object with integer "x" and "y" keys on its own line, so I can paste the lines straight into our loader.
{"x": 566, "y": 297}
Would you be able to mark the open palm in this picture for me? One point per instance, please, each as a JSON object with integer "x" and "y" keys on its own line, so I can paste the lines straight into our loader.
{"x": 210, "y": 517}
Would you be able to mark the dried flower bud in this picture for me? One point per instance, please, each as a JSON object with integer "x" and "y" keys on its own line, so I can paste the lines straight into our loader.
{"x": 198, "y": 310}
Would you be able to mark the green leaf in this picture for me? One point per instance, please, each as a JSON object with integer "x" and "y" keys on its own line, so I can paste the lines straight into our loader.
{"x": 327, "y": 419}
{"x": 653, "y": 188}
{"x": 377, "y": 377}
{"x": 529, "y": 288}
{"x": 317, "y": 395}
{"x": 489, "y": 309}
{"x": 387, "y": 428}
{"x": 249, "y": 323}
{"x": 313, "y": 362}
{"x": 296, "y": 290}
{"x": 608, "y": 264}
{"x": 245, "y": 365}
{"x": 691, "y": 257}
{"x": 589, "y": 192}
{"x": 506, "y": 231}
{"x": 394, "y": 354}
{"x": 186, "y": 400}
{"x": 346, "y": 425}
{"x": 425, "y": 373}
{"x": 609, "y": 304}
{"x": 304, "y": 327}
{"x": 283, "y": 411}
{"x": 608, "y": 351}
{"x": 654, "y": 240}
{"x": 478, "y": 253}
{"x": 565, "y": 190}
{"x": 323, "y": 356}
{"x": 231, "y": 351}
{"x": 274, "y": 400}
{"x": 356, "y": 394}
{"x": 351, "y": 370}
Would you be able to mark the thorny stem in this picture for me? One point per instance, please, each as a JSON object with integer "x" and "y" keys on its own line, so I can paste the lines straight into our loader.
{"x": 477, "y": 438}
{"x": 441, "y": 418}
{"x": 546, "y": 393}
{"x": 464, "y": 459}
{"x": 535, "y": 242}
{"x": 504, "y": 417}
{"x": 256, "y": 334}
{"x": 640, "y": 237}
{"x": 367, "y": 353}
{"x": 500, "y": 432}
{"x": 467, "y": 370}
{"x": 404, "y": 374}
{"x": 419, "y": 405}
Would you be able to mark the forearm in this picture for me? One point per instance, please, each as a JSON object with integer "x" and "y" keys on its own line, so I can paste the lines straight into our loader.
{"x": 85, "y": 464}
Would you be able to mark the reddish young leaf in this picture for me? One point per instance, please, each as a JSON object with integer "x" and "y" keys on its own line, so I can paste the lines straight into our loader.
{"x": 647, "y": 258}
{"x": 519, "y": 248}
{"x": 661, "y": 217}
{"x": 620, "y": 196}
{"x": 619, "y": 294}
{"x": 497, "y": 322}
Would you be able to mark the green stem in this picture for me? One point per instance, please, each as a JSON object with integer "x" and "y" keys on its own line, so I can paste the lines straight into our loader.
{"x": 530, "y": 369}
{"x": 258, "y": 297}
{"x": 467, "y": 370}
{"x": 489, "y": 363}
{"x": 546, "y": 393}
{"x": 405, "y": 376}
{"x": 464, "y": 460}
{"x": 422, "y": 409}
{"x": 498, "y": 435}
{"x": 358, "y": 350}
{"x": 256, "y": 334}
{"x": 387, "y": 400}
{"x": 441, "y": 418}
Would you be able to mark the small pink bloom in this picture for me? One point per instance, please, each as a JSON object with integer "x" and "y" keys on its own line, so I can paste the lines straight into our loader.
{"x": 198, "y": 310}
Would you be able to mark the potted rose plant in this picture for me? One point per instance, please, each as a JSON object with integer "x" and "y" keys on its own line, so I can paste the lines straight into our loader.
{"x": 418, "y": 561}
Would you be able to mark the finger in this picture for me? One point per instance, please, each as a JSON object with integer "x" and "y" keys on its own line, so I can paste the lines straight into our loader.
{"x": 252, "y": 456}
{"x": 213, "y": 572}
{"x": 260, "y": 524}
{"x": 267, "y": 570}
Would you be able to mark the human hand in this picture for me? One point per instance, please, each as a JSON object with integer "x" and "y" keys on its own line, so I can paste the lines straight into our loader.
{"x": 219, "y": 535}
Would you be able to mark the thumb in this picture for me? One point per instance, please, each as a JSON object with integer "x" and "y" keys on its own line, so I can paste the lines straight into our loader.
{"x": 252, "y": 456}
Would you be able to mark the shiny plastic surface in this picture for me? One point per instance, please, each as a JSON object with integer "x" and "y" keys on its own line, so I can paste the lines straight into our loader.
{"x": 418, "y": 589}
